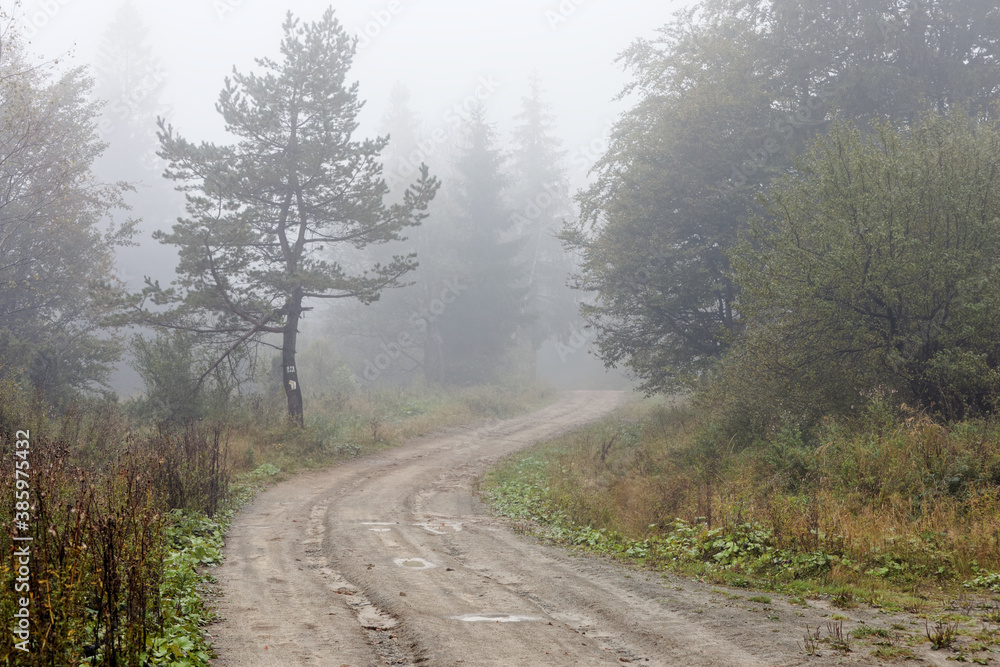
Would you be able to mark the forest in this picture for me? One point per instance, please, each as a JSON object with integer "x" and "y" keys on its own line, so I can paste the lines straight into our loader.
{"x": 789, "y": 245}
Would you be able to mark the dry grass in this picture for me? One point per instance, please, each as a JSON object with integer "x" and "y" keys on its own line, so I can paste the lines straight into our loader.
{"x": 908, "y": 506}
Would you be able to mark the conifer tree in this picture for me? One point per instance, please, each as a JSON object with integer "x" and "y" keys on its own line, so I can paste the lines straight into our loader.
{"x": 263, "y": 210}
{"x": 469, "y": 340}
{"x": 540, "y": 200}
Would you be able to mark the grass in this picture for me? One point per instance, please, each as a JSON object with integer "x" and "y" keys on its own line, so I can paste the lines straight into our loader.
{"x": 365, "y": 422}
{"x": 901, "y": 514}
{"x": 931, "y": 520}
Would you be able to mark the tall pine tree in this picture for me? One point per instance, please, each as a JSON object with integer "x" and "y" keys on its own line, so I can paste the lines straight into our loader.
{"x": 262, "y": 211}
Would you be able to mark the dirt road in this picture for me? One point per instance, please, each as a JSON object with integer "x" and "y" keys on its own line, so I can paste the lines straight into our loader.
{"x": 392, "y": 561}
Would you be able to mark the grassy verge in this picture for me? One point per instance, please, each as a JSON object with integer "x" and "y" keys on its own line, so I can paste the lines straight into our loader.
{"x": 364, "y": 422}
{"x": 896, "y": 514}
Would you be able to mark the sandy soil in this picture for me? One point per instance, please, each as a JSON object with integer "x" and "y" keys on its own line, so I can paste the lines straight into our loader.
{"x": 392, "y": 561}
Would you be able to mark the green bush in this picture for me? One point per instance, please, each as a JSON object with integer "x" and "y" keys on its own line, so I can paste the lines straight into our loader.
{"x": 875, "y": 270}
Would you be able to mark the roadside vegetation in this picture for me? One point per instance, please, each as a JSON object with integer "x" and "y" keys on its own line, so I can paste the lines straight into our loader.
{"x": 836, "y": 344}
{"x": 128, "y": 516}
{"x": 847, "y": 443}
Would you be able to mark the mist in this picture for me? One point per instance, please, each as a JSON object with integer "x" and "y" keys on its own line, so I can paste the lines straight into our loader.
{"x": 706, "y": 288}
{"x": 446, "y": 57}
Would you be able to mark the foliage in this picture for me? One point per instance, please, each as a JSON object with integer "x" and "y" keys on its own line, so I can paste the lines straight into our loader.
{"x": 726, "y": 94}
{"x": 194, "y": 542}
{"x": 169, "y": 365}
{"x": 875, "y": 272}
{"x": 193, "y": 468}
{"x": 325, "y": 373}
{"x": 95, "y": 555}
{"x": 654, "y": 224}
{"x": 261, "y": 211}
{"x": 539, "y": 195}
{"x": 494, "y": 222}
{"x": 389, "y": 338}
{"x": 57, "y": 282}
{"x": 110, "y": 571}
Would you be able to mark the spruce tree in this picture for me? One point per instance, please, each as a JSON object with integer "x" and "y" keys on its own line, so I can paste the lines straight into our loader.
{"x": 540, "y": 200}
{"x": 470, "y": 339}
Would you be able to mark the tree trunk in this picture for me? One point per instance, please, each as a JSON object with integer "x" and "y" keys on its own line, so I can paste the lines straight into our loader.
{"x": 290, "y": 377}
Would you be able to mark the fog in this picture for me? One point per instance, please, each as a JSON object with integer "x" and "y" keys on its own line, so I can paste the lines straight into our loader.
{"x": 441, "y": 50}
{"x": 448, "y": 55}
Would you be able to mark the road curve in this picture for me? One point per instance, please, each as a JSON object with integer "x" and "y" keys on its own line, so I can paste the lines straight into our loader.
{"x": 390, "y": 560}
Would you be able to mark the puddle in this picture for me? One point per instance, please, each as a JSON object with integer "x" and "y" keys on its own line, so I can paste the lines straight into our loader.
{"x": 494, "y": 618}
{"x": 413, "y": 563}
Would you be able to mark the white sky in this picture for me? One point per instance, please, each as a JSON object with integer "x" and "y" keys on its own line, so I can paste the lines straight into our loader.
{"x": 440, "y": 49}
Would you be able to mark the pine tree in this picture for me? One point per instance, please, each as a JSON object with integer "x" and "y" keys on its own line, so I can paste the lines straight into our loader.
{"x": 262, "y": 211}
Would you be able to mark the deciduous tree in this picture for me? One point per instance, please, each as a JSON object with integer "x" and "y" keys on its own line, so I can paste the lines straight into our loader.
{"x": 57, "y": 240}
{"x": 727, "y": 94}
{"x": 876, "y": 270}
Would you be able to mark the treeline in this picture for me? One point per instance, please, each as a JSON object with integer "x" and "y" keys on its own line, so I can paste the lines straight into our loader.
{"x": 295, "y": 222}
{"x": 796, "y": 230}
{"x": 799, "y": 213}
{"x": 298, "y": 226}
{"x": 491, "y": 285}
{"x": 121, "y": 502}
